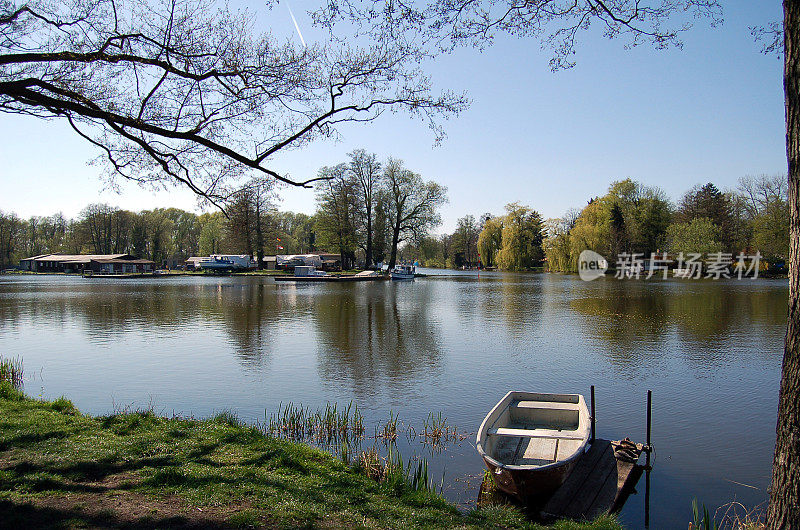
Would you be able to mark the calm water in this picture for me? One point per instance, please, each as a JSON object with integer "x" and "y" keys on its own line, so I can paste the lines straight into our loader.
{"x": 452, "y": 342}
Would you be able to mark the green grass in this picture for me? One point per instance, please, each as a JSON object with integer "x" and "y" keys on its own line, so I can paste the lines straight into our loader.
{"x": 56, "y": 463}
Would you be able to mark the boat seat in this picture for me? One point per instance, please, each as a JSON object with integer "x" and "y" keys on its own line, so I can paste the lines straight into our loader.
{"x": 548, "y": 405}
{"x": 535, "y": 433}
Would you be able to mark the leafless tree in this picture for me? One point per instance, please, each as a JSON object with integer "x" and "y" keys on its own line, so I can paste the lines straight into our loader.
{"x": 444, "y": 24}
{"x": 180, "y": 91}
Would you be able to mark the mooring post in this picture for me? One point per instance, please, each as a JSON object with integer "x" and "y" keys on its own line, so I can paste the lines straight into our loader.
{"x": 647, "y": 461}
{"x": 592, "y": 413}
{"x": 649, "y": 422}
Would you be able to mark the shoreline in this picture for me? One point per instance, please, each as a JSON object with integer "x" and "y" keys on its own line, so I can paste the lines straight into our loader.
{"x": 138, "y": 469}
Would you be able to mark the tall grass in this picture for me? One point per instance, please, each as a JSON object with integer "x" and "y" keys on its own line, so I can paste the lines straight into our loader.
{"x": 393, "y": 472}
{"x": 11, "y": 370}
{"x": 733, "y": 515}
{"x": 704, "y": 522}
{"x": 331, "y": 424}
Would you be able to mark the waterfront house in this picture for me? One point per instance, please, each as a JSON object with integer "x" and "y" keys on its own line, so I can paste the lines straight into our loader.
{"x": 110, "y": 263}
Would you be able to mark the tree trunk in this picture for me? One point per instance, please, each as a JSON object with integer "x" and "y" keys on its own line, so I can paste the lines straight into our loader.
{"x": 259, "y": 236}
{"x": 368, "y": 250}
{"x": 395, "y": 242}
{"x": 784, "y": 504}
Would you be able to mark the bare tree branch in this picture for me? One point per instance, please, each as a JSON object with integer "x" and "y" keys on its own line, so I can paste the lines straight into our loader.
{"x": 180, "y": 91}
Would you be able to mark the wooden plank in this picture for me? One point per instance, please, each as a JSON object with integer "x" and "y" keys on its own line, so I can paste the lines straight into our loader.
{"x": 534, "y": 433}
{"x": 609, "y": 497}
{"x": 625, "y": 491}
{"x": 605, "y": 496}
{"x": 562, "y": 497}
{"x": 550, "y": 405}
{"x": 567, "y": 448}
{"x": 603, "y": 475}
{"x": 507, "y": 449}
{"x": 539, "y": 451}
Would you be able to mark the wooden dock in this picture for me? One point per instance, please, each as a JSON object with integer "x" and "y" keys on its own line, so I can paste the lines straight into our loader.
{"x": 600, "y": 483}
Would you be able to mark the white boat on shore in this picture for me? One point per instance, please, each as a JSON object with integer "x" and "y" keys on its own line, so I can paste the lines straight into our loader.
{"x": 530, "y": 442}
{"x": 403, "y": 272}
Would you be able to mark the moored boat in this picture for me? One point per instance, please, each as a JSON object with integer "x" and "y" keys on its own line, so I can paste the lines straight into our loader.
{"x": 403, "y": 272}
{"x": 531, "y": 441}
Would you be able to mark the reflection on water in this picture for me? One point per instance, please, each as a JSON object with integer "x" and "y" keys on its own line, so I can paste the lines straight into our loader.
{"x": 376, "y": 335}
{"x": 451, "y": 343}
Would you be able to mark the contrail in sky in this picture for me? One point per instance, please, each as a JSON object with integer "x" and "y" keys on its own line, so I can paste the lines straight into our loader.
{"x": 295, "y": 25}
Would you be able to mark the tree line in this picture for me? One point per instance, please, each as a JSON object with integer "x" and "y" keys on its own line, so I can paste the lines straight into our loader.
{"x": 365, "y": 210}
{"x": 629, "y": 218}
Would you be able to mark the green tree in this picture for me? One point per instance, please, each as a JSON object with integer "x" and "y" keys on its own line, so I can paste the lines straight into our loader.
{"x": 381, "y": 236}
{"x": 212, "y": 226}
{"x": 556, "y": 244}
{"x": 700, "y": 235}
{"x": 295, "y": 233}
{"x": 241, "y": 222}
{"x": 11, "y": 228}
{"x": 337, "y": 219}
{"x": 771, "y": 230}
{"x": 366, "y": 170}
{"x": 591, "y": 232}
{"x": 708, "y": 202}
{"x": 490, "y": 240}
{"x": 522, "y": 239}
{"x": 465, "y": 242}
{"x": 412, "y": 205}
{"x": 766, "y": 205}
{"x": 652, "y": 215}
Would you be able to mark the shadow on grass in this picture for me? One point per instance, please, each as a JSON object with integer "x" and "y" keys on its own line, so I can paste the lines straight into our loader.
{"x": 24, "y": 440}
{"x": 30, "y": 516}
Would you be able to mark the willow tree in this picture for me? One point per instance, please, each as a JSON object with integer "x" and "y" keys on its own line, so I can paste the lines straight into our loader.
{"x": 490, "y": 240}
{"x": 522, "y": 239}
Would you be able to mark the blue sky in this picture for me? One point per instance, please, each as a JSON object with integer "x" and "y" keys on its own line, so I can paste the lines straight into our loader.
{"x": 712, "y": 111}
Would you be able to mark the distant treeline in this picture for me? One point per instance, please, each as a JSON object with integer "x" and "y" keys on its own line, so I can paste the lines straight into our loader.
{"x": 631, "y": 218}
{"x": 165, "y": 235}
{"x": 365, "y": 211}
{"x": 373, "y": 212}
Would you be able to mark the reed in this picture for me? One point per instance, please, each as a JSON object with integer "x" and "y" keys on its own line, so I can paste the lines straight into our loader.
{"x": 388, "y": 431}
{"x": 370, "y": 464}
{"x": 331, "y": 424}
{"x": 11, "y": 370}
{"x": 706, "y": 522}
{"x": 436, "y": 430}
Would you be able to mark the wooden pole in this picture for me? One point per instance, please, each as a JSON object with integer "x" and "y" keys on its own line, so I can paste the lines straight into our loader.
{"x": 647, "y": 463}
{"x": 592, "y": 413}
{"x": 649, "y": 421}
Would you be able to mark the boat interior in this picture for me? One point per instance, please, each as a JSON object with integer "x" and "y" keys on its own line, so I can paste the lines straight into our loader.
{"x": 537, "y": 433}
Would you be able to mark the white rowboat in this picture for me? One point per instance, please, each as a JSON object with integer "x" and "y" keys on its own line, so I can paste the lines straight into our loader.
{"x": 530, "y": 442}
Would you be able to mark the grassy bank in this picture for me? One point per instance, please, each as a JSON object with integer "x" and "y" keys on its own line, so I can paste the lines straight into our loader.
{"x": 60, "y": 468}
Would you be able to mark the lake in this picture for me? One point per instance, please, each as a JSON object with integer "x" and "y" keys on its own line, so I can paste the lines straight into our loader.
{"x": 454, "y": 342}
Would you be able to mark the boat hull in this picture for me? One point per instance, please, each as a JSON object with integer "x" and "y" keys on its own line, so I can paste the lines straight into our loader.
{"x": 527, "y": 484}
